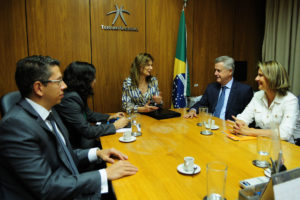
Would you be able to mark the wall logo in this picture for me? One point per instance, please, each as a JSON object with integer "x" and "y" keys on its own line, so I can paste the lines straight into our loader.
{"x": 118, "y": 12}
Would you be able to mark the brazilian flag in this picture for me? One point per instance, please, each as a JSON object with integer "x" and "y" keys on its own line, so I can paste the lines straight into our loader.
{"x": 181, "y": 79}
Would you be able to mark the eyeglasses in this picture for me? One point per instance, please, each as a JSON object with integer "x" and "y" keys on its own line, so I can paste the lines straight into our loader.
{"x": 58, "y": 82}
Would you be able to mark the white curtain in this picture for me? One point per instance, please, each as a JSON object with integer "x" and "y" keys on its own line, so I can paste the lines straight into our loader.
{"x": 282, "y": 37}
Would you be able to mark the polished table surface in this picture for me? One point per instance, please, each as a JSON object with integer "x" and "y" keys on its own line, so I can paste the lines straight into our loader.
{"x": 164, "y": 144}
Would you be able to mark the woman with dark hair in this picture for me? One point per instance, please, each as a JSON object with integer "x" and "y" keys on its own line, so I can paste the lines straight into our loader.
{"x": 73, "y": 109}
{"x": 272, "y": 104}
{"x": 140, "y": 89}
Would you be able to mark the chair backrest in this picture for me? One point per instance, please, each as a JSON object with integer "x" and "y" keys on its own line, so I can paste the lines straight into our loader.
{"x": 9, "y": 100}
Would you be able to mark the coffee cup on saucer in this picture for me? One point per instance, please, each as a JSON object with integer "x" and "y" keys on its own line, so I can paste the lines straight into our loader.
{"x": 188, "y": 164}
{"x": 127, "y": 135}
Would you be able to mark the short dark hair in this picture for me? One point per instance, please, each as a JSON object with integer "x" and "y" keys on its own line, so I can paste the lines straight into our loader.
{"x": 78, "y": 76}
{"x": 31, "y": 69}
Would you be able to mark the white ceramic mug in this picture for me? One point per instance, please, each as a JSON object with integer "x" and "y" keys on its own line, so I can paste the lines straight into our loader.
{"x": 188, "y": 163}
{"x": 127, "y": 135}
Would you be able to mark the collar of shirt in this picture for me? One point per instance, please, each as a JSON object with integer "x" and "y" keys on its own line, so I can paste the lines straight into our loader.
{"x": 43, "y": 112}
{"x": 264, "y": 99}
{"x": 229, "y": 84}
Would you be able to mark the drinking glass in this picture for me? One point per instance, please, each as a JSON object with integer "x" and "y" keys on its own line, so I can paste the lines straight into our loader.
{"x": 129, "y": 111}
{"x": 136, "y": 127}
{"x": 207, "y": 123}
{"x": 263, "y": 152}
{"x": 216, "y": 180}
{"x": 201, "y": 116}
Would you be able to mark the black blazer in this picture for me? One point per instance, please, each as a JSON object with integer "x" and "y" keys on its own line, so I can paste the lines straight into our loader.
{"x": 239, "y": 97}
{"x": 33, "y": 166}
{"x": 77, "y": 118}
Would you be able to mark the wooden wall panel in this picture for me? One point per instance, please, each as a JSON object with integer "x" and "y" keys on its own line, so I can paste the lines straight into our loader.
{"x": 13, "y": 42}
{"x": 162, "y": 22}
{"x": 114, "y": 51}
{"x": 248, "y": 35}
{"x": 213, "y": 37}
{"x": 60, "y": 29}
{"x": 71, "y": 30}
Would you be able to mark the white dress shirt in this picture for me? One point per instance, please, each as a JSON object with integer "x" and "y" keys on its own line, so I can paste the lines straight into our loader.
{"x": 283, "y": 111}
{"x": 92, "y": 155}
{"x": 227, "y": 92}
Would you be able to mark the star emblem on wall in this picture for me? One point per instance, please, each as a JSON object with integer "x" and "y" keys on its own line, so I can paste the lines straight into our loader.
{"x": 119, "y": 12}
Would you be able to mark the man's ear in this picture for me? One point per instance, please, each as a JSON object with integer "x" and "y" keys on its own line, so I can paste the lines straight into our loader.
{"x": 38, "y": 88}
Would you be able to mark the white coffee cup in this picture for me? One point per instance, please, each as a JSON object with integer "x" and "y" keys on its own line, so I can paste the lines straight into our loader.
{"x": 127, "y": 135}
{"x": 188, "y": 163}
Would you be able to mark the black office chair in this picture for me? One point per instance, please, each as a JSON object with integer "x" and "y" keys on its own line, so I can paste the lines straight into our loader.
{"x": 9, "y": 100}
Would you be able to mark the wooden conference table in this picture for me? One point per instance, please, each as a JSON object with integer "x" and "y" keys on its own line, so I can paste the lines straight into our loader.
{"x": 164, "y": 144}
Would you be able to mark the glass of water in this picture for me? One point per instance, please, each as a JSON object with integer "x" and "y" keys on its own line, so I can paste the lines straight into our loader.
{"x": 129, "y": 111}
{"x": 201, "y": 116}
{"x": 207, "y": 123}
{"x": 216, "y": 173}
{"x": 136, "y": 127}
{"x": 263, "y": 152}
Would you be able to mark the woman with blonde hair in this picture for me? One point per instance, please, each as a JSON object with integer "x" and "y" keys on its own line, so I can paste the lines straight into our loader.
{"x": 140, "y": 91}
{"x": 272, "y": 104}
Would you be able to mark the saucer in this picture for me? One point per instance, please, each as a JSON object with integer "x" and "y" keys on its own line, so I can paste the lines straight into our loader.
{"x": 131, "y": 139}
{"x": 181, "y": 170}
{"x": 215, "y": 127}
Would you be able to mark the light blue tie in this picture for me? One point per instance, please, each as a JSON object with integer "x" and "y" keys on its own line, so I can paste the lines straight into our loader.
{"x": 220, "y": 102}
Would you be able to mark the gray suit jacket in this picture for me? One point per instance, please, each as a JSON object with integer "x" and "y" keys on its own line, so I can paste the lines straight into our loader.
{"x": 33, "y": 165}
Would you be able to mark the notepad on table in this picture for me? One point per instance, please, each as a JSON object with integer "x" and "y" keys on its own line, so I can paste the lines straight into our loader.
{"x": 238, "y": 137}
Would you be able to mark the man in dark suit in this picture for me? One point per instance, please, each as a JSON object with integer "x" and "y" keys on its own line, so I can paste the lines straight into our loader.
{"x": 36, "y": 158}
{"x": 226, "y": 96}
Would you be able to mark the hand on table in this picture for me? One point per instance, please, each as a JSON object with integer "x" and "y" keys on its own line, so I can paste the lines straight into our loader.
{"x": 117, "y": 115}
{"x": 239, "y": 127}
{"x": 190, "y": 114}
{"x": 108, "y": 155}
{"x": 148, "y": 108}
{"x": 122, "y": 122}
{"x": 120, "y": 169}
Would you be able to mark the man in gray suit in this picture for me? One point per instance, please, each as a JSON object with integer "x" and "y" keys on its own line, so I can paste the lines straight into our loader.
{"x": 36, "y": 158}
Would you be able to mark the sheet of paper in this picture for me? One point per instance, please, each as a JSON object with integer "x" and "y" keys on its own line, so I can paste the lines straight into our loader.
{"x": 122, "y": 130}
{"x": 287, "y": 190}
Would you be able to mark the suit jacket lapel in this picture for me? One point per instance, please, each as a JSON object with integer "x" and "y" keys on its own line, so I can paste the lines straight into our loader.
{"x": 42, "y": 123}
{"x": 231, "y": 96}
{"x": 62, "y": 129}
{"x": 216, "y": 97}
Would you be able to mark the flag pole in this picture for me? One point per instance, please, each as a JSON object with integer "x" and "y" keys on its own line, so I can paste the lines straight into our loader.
{"x": 184, "y": 4}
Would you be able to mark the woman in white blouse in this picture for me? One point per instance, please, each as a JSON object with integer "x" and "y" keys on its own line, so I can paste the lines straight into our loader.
{"x": 272, "y": 104}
